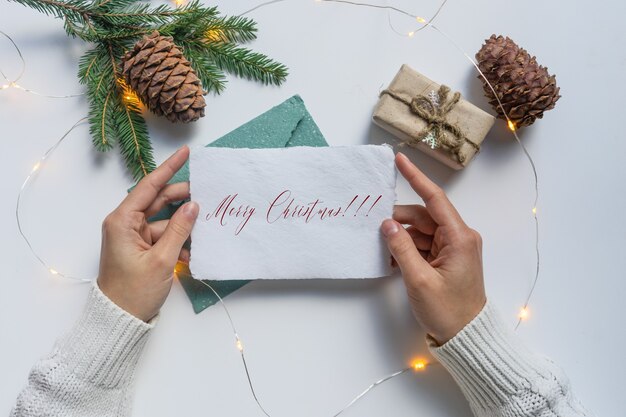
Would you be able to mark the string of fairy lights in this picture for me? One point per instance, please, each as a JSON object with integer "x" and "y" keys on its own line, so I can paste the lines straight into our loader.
{"x": 418, "y": 365}
{"x": 13, "y": 82}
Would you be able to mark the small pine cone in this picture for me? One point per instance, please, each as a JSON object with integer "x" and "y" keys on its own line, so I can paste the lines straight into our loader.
{"x": 525, "y": 88}
{"x": 164, "y": 79}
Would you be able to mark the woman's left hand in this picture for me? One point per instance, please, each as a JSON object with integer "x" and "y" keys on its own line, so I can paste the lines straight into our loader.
{"x": 138, "y": 258}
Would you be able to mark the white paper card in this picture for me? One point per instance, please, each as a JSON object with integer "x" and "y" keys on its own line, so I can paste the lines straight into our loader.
{"x": 289, "y": 213}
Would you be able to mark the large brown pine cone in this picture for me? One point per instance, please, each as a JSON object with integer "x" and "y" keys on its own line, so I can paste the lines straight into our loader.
{"x": 525, "y": 88}
{"x": 163, "y": 79}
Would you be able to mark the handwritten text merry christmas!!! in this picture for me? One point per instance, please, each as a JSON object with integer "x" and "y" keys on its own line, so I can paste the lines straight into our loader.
{"x": 286, "y": 207}
{"x": 291, "y": 213}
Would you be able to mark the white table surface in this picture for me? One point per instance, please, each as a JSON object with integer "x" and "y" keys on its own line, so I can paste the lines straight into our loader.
{"x": 313, "y": 345}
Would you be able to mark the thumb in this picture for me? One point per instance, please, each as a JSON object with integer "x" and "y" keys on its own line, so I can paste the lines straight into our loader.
{"x": 177, "y": 231}
{"x": 403, "y": 249}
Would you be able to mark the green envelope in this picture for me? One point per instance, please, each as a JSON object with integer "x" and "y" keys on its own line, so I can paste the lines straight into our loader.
{"x": 288, "y": 124}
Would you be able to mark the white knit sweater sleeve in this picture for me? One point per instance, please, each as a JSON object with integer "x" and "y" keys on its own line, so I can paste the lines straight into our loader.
{"x": 90, "y": 370}
{"x": 500, "y": 377}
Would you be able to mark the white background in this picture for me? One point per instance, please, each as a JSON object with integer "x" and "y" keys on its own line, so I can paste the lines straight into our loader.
{"x": 312, "y": 346}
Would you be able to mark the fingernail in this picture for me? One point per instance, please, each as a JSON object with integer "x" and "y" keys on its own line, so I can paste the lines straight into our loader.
{"x": 403, "y": 156}
{"x": 191, "y": 210}
{"x": 389, "y": 227}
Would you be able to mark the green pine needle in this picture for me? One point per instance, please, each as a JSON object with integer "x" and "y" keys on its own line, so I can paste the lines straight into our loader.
{"x": 70, "y": 9}
{"x": 233, "y": 29}
{"x": 132, "y": 134}
{"x": 101, "y": 122}
{"x": 212, "y": 78}
{"x": 96, "y": 70}
{"x": 245, "y": 63}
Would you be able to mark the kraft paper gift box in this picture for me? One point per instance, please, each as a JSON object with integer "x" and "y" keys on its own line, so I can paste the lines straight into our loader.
{"x": 434, "y": 120}
{"x": 288, "y": 124}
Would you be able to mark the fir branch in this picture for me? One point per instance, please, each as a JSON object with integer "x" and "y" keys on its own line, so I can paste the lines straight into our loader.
{"x": 142, "y": 14}
{"x": 194, "y": 25}
{"x": 112, "y": 118}
{"x": 208, "y": 40}
{"x": 81, "y": 15}
{"x": 212, "y": 78}
{"x": 245, "y": 63}
{"x": 102, "y": 125}
{"x": 129, "y": 125}
{"x": 114, "y": 34}
{"x": 112, "y": 4}
{"x": 92, "y": 63}
{"x": 70, "y": 9}
{"x": 75, "y": 13}
{"x": 233, "y": 29}
{"x": 96, "y": 70}
{"x": 85, "y": 64}
{"x": 133, "y": 139}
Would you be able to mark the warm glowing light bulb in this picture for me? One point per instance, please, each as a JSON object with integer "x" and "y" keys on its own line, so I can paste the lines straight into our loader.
{"x": 4, "y": 86}
{"x": 420, "y": 19}
{"x": 239, "y": 345}
{"x": 523, "y": 313}
{"x": 36, "y": 166}
{"x": 410, "y": 34}
{"x": 179, "y": 3}
{"x": 534, "y": 210}
{"x": 511, "y": 125}
{"x": 129, "y": 97}
{"x": 54, "y": 271}
{"x": 215, "y": 35}
{"x": 419, "y": 365}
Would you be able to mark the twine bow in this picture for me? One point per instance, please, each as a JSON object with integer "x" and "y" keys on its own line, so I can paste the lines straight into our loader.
{"x": 434, "y": 111}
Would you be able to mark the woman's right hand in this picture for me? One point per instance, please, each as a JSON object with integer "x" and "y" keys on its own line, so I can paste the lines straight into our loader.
{"x": 439, "y": 255}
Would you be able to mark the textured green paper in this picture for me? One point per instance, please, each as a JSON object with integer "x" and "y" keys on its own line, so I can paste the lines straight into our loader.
{"x": 288, "y": 124}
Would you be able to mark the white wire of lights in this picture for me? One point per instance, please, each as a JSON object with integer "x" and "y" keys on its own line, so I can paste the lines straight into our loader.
{"x": 13, "y": 82}
{"x": 419, "y": 365}
{"x": 36, "y": 168}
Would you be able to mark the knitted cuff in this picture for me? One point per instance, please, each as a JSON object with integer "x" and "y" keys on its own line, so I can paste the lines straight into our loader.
{"x": 489, "y": 363}
{"x": 104, "y": 346}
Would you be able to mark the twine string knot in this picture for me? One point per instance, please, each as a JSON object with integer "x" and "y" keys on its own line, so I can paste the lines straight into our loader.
{"x": 439, "y": 132}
